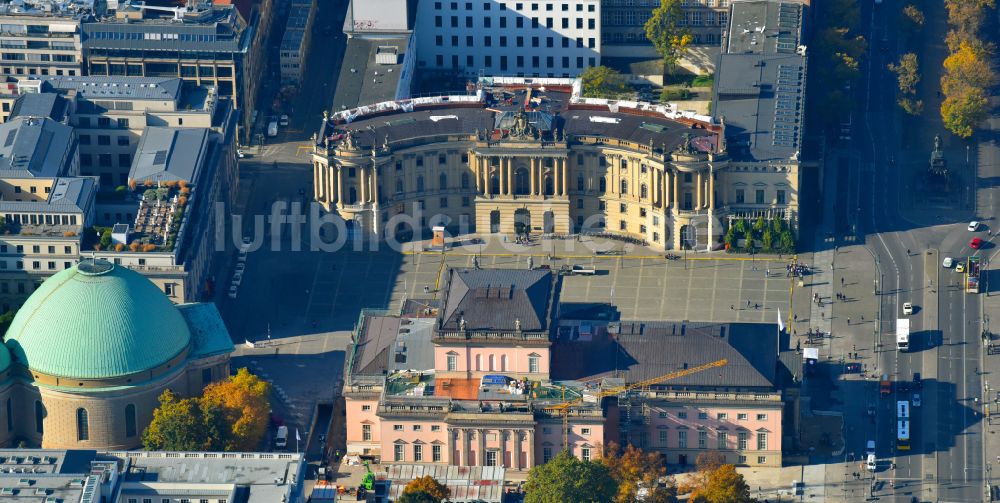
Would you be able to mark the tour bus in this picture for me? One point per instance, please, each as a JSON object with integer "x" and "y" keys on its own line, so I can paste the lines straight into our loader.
{"x": 903, "y": 435}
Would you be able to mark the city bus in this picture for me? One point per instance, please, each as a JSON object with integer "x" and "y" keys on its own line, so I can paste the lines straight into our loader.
{"x": 903, "y": 410}
{"x": 903, "y": 435}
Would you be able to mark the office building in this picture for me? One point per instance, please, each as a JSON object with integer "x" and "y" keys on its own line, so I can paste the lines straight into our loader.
{"x": 44, "y": 37}
{"x": 94, "y": 476}
{"x": 295, "y": 42}
{"x": 505, "y": 37}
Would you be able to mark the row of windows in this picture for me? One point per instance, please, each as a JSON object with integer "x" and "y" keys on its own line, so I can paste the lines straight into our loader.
{"x": 10, "y": 70}
{"x": 51, "y": 250}
{"x": 519, "y": 41}
{"x": 104, "y": 160}
{"x": 399, "y": 453}
{"x": 102, "y": 123}
{"x": 183, "y": 37}
{"x": 518, "y": 23}
{"x": 20, "y": 56}
{"x": 416, "y": 427}
{"x": 550, "y": 62}
{"x": 103, "y": 139}
{"x": 614, "y": 37}
{"x": 638, "y": 18}
{"x": 518, "y": 6}
{"x": 722, "y": 416}
{"x": 585, "y": 454}
{"x": 721, "y": 440}
{"x": 533, "y": 361}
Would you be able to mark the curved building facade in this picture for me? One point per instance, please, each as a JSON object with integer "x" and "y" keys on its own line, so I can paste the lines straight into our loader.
{"x": 524, "y": 156}
{"x": 89, "y": 353}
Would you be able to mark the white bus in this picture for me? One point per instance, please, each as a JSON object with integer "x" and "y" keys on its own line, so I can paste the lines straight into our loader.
{"x": 902, "y": 409}
{"x": 903, "y": 435}
{"x": 903, "y": 334}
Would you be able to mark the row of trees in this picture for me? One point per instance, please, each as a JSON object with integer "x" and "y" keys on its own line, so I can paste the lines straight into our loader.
{"x": 837, "y": 51}
{"x": 907, "y": 72}
{"x": 767, "y": 236}
{"x": 630, "y": 475}
{"x": 230, "y": 415}
{"x": 967, "y": 75}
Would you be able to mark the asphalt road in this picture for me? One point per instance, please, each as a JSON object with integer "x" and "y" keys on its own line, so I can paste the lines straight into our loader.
{"x": 909, "y": 235}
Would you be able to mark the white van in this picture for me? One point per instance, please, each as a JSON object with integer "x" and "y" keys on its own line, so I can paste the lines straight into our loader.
{"x": 281, "y": 439}
{"x": 870, "y": 463}
{"x": 272, "y": 129}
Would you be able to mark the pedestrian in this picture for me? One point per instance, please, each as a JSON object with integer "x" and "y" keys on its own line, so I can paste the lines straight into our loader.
{"x": 748, "y": 303}
{"x": 795, "y": 317}
{"x": 848, "y": 321}
{"x": 732, "y": 307}
{"x": 841, "y": 281}
{"x": 767, "y": 272}
{"x": 822, "y": 315}
{"x": 862, "y": 318}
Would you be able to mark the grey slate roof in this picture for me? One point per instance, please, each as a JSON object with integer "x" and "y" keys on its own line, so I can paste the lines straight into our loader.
{"x": 49, "y": 105}
{"x": 169, "y": 154}
{"x": 643, "y": 350}
{"x": 133, "y": 88}
{"x": 760, "y": 81}
{"x": 360, "y": 86}
{"x": 69, "y": 195}
{"x": 31, "y": 147}
{"x": 492, "y": 299}
{"x": 372, "y": 348}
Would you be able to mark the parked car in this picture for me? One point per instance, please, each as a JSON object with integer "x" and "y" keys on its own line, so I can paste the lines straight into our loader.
{"x": 960, "y": 267}
{"x": 907, "y": 308}
{"x": 973, "y": 226}
{"x": 239, "y": 153}
{"x": 237, "y": 279}
{"x": 916, "y": 400}
{"x": 948, "y": 262}
{"x": 283, "y": 121}
{"x": 243, "y": 255}
{"x": 870, "y": 463}
{"x": 233, "y": 291}
{"x": 241, "y": 266}
{"x": 917, "y": 381}
{"x": 976, "y": 243}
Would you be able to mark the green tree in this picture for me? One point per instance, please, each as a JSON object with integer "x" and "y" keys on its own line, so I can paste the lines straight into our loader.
{"x": 178, "y": 425}
{"x": 565, "y": 478}
{"x": 5, "y": 320}
{"x": 786, "y": 241}
{"x": 106, "y": 238}
{"x": 603, "y": 82}
{"x": 724, "y": 485}
{"x": 428, "y": 486}
{"x": 664, "y": 31}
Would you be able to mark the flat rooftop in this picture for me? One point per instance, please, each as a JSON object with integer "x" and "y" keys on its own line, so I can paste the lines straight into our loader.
{"x": 760, "y": 81}
{"x": 362, "y": 80}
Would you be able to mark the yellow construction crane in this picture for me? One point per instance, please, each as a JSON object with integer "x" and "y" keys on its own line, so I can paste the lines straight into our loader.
{"x": 564, "y": 407}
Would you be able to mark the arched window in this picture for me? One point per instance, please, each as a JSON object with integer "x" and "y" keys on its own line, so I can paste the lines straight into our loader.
{"x": 503, "y": 363}
{"x": 443, "y": 181}
{"x": 602, "y": 184}
{"x": 399, "y": 185}
{"x": 479, "y": 362}
{"x": 579, "y": 182}
{"x": 492, "y": 363}
{"x": 465, "y": 180}
{"x": 643, "y": 191}
{"x": 130, "y": 429}
{"x": 39, "y": 417}
{"x": 82, "y": 425}
{"x": 624, "y": 187}
{"x": 420, "y": 183}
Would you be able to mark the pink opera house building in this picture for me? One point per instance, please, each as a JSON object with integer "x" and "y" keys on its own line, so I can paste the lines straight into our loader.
{"x": 466, "y": 380}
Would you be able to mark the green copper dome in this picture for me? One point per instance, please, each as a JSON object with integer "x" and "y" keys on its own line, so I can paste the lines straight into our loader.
{"x": 97, "y": 321}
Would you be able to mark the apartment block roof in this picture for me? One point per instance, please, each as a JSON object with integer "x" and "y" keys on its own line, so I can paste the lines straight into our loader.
{"x": 69, "y": 195}
{"x": 760, "y": 81}
{"x": 40, "y": 105}
{"x": 639, "y": 350}
{"x": 170, "y": 154}
{"x": 496, "y": 299}
{"x": 35, "y": 147}
{"x": 217, "y": 28}
{"x": 362, "y": 81}
{"x": 116, "y": 88}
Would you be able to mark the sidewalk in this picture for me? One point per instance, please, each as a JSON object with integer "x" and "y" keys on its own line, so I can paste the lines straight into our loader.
{"x": 990, "y": 400}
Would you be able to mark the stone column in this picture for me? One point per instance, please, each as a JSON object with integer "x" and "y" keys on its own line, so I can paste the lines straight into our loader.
{"x": 517, "y": 450}
{"x": 531, "y": 175}
{"x": 711, "y": 190}
{"x": 375, "y": 185}
{"x": 481, "y": 454}
{"x": 676, "y": 179}
{"x": 565, "y": 175}
{"x": 510, "y": 176}
{"x": 502, "y": 437}
{"x": 451, "y": 448}
{"x": 531, "y": 448}
{"x": 464, "y": 461}
{"x": 477, "y": 169}
{"x": 698, "y": 190}
{"x": 340, "y": 184}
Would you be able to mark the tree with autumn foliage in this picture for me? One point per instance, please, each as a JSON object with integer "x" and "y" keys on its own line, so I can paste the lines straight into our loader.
{"x": 638, "y": 475}
{"x": 724, "y": 485}
{"x": 425, "y": 489}
{"x": 907, "y": 77}
{"x": 967, "y": 76}
{"x": 231, "y": 415}
{"x": 244, "y": 401}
